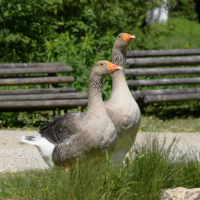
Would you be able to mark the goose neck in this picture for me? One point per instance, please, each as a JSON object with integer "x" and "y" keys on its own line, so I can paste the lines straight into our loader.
{"x": 119, "y": 80}
{"x": 95, "y": 93}
{"x": 119, "y": 58}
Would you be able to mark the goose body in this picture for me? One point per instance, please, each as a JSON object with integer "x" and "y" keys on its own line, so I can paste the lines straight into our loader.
{"x": 125, "y": 114}
{"x": 74, "y": 135}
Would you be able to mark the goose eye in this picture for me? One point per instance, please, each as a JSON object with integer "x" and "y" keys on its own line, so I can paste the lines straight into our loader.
{"x": 119, "y": 36}
{"x": 102, "y": 64}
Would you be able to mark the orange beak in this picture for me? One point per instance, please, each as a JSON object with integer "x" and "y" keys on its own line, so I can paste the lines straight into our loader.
{"x": 113, "y": 68}
{"x": 128, "y": 38}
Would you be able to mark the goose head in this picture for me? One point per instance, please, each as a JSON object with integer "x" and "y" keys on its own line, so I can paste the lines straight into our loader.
{"x": 102, "y": 69}
{"x": 123, "y": 40}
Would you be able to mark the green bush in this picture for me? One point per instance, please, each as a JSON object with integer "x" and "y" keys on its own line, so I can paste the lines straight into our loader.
{"x": 26, "y": 25}
{"x": 184, "y": 9}
{"x": 76, "y": 32}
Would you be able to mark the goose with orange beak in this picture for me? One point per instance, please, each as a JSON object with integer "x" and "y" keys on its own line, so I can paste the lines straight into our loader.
{"x": 122, "y": 108}
{"x": 75, "y": 135}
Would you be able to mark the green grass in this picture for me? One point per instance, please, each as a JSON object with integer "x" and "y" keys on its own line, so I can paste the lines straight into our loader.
{"x": 178, "y": 117}
{"x": 184, "y": 36}
{"x": 22, "y": 143}
{"x": 176, "y": 125}
{"x": 154, "y": 168}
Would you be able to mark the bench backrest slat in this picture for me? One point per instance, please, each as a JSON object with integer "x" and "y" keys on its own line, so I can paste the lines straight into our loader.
{"x": 140, "y": 94}
{"x": 169, "y": 98}
{"x": 37, "y": 91}
{"x": 162, "y": 71}
{"x": 34, "y": 81}
{"x": 172, "y": 81}
{"x": 158, "y": 53}
{"x": 44, "y": 96}
{"x": 43, "y": 104}
{"x": 31, "y": 65}
{"x": 153, "y": 62}
{"x": 42, "y": 70}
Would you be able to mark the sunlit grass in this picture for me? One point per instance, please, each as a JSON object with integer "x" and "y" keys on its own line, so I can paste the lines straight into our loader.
{"x": 155, "y": 168}
{"x": 184, "y": 36}
{"x": 178, "y": 119}
{"x": 176, "y": 125}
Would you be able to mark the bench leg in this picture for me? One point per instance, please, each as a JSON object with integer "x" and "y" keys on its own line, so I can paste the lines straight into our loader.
{"x": 157, "y": 111}
{"x": 134, "y": 88}
{"x": 157, "y": 107}
{"x": 141, "y": 106}
{"x": 80, "y": 108}
{"x": 65, "y": 110}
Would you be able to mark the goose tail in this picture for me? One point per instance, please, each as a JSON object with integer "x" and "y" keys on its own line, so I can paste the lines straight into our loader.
{"x": 43, "y": 145}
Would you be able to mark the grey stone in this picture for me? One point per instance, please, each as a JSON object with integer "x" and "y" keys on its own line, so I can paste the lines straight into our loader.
{"x": 181, "y": 193}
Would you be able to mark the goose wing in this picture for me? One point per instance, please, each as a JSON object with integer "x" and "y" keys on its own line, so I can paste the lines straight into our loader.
{"x": 62, "y": 128}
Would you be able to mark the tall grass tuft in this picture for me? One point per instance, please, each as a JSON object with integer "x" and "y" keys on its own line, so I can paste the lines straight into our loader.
{"x": 155, "y": 167}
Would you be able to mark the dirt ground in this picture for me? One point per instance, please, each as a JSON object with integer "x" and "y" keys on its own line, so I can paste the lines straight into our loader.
{"x": 15, "y": 155}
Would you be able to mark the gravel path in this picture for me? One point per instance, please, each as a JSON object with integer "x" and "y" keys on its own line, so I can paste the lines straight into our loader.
{"x": 16, "y": 156}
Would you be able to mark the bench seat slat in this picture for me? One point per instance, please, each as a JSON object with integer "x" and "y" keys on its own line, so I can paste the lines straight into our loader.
{"x": 156, "y": 82}
{"x": 34, "y": 81}
{"x": 163, "y": 71}
{"x": 172, "y": 97}
{"x": 42, "y": 70}
{"x": 155, "y": 62}
{"x": 57, "y": 96}
{"x": 43, "y": 104}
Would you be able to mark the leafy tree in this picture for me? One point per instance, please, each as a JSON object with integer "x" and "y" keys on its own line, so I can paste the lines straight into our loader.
{"x": 185, "y": 9}
{"x": 24, "y": 26}
{"x": 77, "y": 32}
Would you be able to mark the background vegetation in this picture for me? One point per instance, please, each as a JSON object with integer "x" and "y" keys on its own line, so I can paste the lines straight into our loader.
{"x": 83, "y": 32}
{"x": 80, "y": 33}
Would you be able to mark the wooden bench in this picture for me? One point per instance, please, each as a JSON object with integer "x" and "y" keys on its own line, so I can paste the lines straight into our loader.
{"x": 46, "y": 93}
{"x": 184, "y": 57}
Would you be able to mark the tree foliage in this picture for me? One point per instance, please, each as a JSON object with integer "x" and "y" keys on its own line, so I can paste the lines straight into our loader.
{"x": 185, "y": 9}
{"x": 76, "y": 32}
{"x": 25, "y": 26}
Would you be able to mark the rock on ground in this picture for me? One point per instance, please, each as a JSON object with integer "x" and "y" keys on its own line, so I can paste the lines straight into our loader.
{"x": 181, "y": 193}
